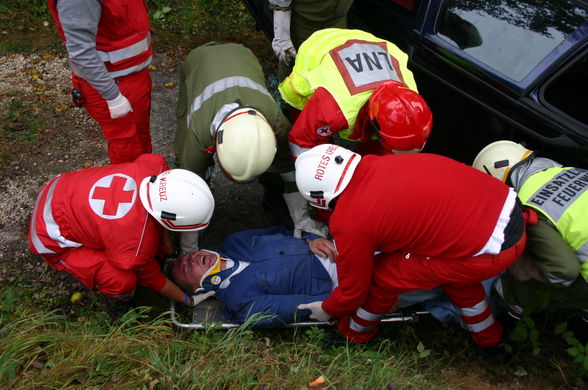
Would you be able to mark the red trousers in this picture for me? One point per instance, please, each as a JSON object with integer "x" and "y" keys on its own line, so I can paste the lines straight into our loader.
{"x": 129, "y": 136}
{"x": 461, "y": 279}
{"x": 91, "y": 267}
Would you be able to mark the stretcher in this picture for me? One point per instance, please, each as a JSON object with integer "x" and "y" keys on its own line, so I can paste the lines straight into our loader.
{"x": 209, "y": 313}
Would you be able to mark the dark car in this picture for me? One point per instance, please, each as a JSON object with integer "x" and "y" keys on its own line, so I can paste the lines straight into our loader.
{"x": 489, "y": 70}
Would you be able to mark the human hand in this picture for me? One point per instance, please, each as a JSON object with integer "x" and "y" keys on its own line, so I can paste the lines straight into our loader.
{"x": 316, "y": 310}
{"x": 119, "y": 106}
{"x": 198, "y": 298}
{"x": 323, "y": 248}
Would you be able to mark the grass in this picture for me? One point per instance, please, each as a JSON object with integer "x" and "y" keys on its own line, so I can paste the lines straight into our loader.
{"x": 40, "y": 349}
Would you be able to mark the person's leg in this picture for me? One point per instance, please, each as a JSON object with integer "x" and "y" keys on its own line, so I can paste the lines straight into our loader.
{"x": 121, "y": 134}
{"x": 92, "y": 268}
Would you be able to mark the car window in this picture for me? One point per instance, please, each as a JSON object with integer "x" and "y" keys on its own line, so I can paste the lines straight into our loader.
{"x": 512, "y": 37}
{"x": 567, "y": 90}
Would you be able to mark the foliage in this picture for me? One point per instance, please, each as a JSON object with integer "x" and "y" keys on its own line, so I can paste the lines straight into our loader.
{"x": 44, "y": 350}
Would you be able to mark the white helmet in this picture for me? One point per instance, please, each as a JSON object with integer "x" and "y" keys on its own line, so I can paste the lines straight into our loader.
{"x": 245, "y": 144}
{"x": 500, "y": 157}
{"x": 323, "y": 172}
{"x": 178, "y": 199}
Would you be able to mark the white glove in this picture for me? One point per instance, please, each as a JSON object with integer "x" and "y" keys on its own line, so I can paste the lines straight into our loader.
{"x": 282, "y": 43}
{"x": 188, "y": 242}
{"x": 119, "y": 106}
{"x": 198, "y": 298}
{"x": 316, "y": 310}
{"x": 298, "y": 208}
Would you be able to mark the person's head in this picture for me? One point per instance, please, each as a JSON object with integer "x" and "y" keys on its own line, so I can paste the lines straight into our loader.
{"x": 189, "y": 269}
{"x": 178, "y": 199}
{"x": 245, "y": 144}
{"x": 500, "y": 158}
{"x": 400, "y": 117}
{"x": 323, "y": 172}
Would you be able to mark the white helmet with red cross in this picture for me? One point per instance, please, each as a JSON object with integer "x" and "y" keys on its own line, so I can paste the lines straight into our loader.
{"x": 178, "y": 199}
{"x": 323, "y": 172}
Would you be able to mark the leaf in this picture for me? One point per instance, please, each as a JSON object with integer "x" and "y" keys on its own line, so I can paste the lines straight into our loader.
{"x": 420, "y": 347}
{"x": 521, "y": 372}
{"x": 425, "y": 353}
{"x": 519, "y": 334}
{"x": 572, "y": 351}
{"x": 560, "y": 328}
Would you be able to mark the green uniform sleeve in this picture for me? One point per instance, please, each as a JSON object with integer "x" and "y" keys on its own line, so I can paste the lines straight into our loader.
{"x": 550, "y": 253}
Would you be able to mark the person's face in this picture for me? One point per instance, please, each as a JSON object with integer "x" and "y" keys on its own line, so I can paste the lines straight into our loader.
{"x": 189, "y": 268}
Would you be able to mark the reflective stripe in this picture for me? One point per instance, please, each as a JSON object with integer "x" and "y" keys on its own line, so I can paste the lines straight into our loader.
{"x": 296, "y": 150}
{"x": 480, "y": 326}
{"x": 37, "y": 243}
{"x": 116, "y": 74}
{"x": 478, "y": 308}
{"x": 359, "y": 328}
{"x": 52, "y": 227}
{"x": 555, "y": 206}
{"x": 582, "y": 253}
{"x": 366, "y": 315}
{"x": 220, "y": 86}
{"x": 557, "y": 280}
{"x": 126, "y": 52}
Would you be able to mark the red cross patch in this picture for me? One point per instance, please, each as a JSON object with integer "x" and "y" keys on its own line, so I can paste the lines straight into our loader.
{"x": 113, "y": 196}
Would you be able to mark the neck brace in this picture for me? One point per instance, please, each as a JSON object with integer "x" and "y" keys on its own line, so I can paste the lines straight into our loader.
{"x": 216, "y": 278}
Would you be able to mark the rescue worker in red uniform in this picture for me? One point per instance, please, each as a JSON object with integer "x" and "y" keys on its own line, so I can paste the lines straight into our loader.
{"x": 358, "y": 86}
{"x": 433, "y": 222}
{"x": 109, "y": 47}
{"x": 103, "y": 225}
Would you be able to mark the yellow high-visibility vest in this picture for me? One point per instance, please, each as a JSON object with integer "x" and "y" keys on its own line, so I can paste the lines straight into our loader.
{"x": 349, "y": 64}
{"x": 561, "y": 195}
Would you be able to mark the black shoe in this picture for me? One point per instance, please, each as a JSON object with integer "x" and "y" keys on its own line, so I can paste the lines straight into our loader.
{"x": 495, "y": 354}
{"x": 116, "y": 308}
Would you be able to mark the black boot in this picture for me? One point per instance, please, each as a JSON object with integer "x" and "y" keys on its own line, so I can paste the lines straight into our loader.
{"x": 116, "y": 308}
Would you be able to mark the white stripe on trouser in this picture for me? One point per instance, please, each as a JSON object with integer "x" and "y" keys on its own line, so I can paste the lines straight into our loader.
{"x": 480, "y": 326}
{"x": 359, "y": 328}
{"x": 366, "y": 315}
{"x": 220, "y": 86}
{"x": 475, "y": 310}
{"x": 478, "y": 308}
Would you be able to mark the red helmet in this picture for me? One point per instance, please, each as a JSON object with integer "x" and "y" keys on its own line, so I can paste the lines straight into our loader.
{"x": 400, "y": 116}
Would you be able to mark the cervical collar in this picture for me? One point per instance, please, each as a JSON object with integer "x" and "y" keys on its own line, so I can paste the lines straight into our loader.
{"x": 216, "y": 278}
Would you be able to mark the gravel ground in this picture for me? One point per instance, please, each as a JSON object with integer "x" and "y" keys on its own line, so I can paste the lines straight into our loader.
{"x": 71, "y": 140}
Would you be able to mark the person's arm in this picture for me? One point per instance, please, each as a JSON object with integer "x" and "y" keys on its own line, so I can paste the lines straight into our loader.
{"x": 274, "y": 310}
{"x": 355, "y": 266}
{"x": 316, "y": 124}
{"x": 79, "y": 19}
{"x": 550, "y": 254}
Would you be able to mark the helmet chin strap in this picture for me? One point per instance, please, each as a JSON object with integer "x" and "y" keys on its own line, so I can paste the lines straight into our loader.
{"x": 217, "y": 278}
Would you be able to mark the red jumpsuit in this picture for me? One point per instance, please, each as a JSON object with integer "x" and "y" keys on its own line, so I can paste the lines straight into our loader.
{"x": 91, "y": 223}
{"x": 321, "y": 118}
{"x": 439, "y": 211}
{"x": 110, "y": 53}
